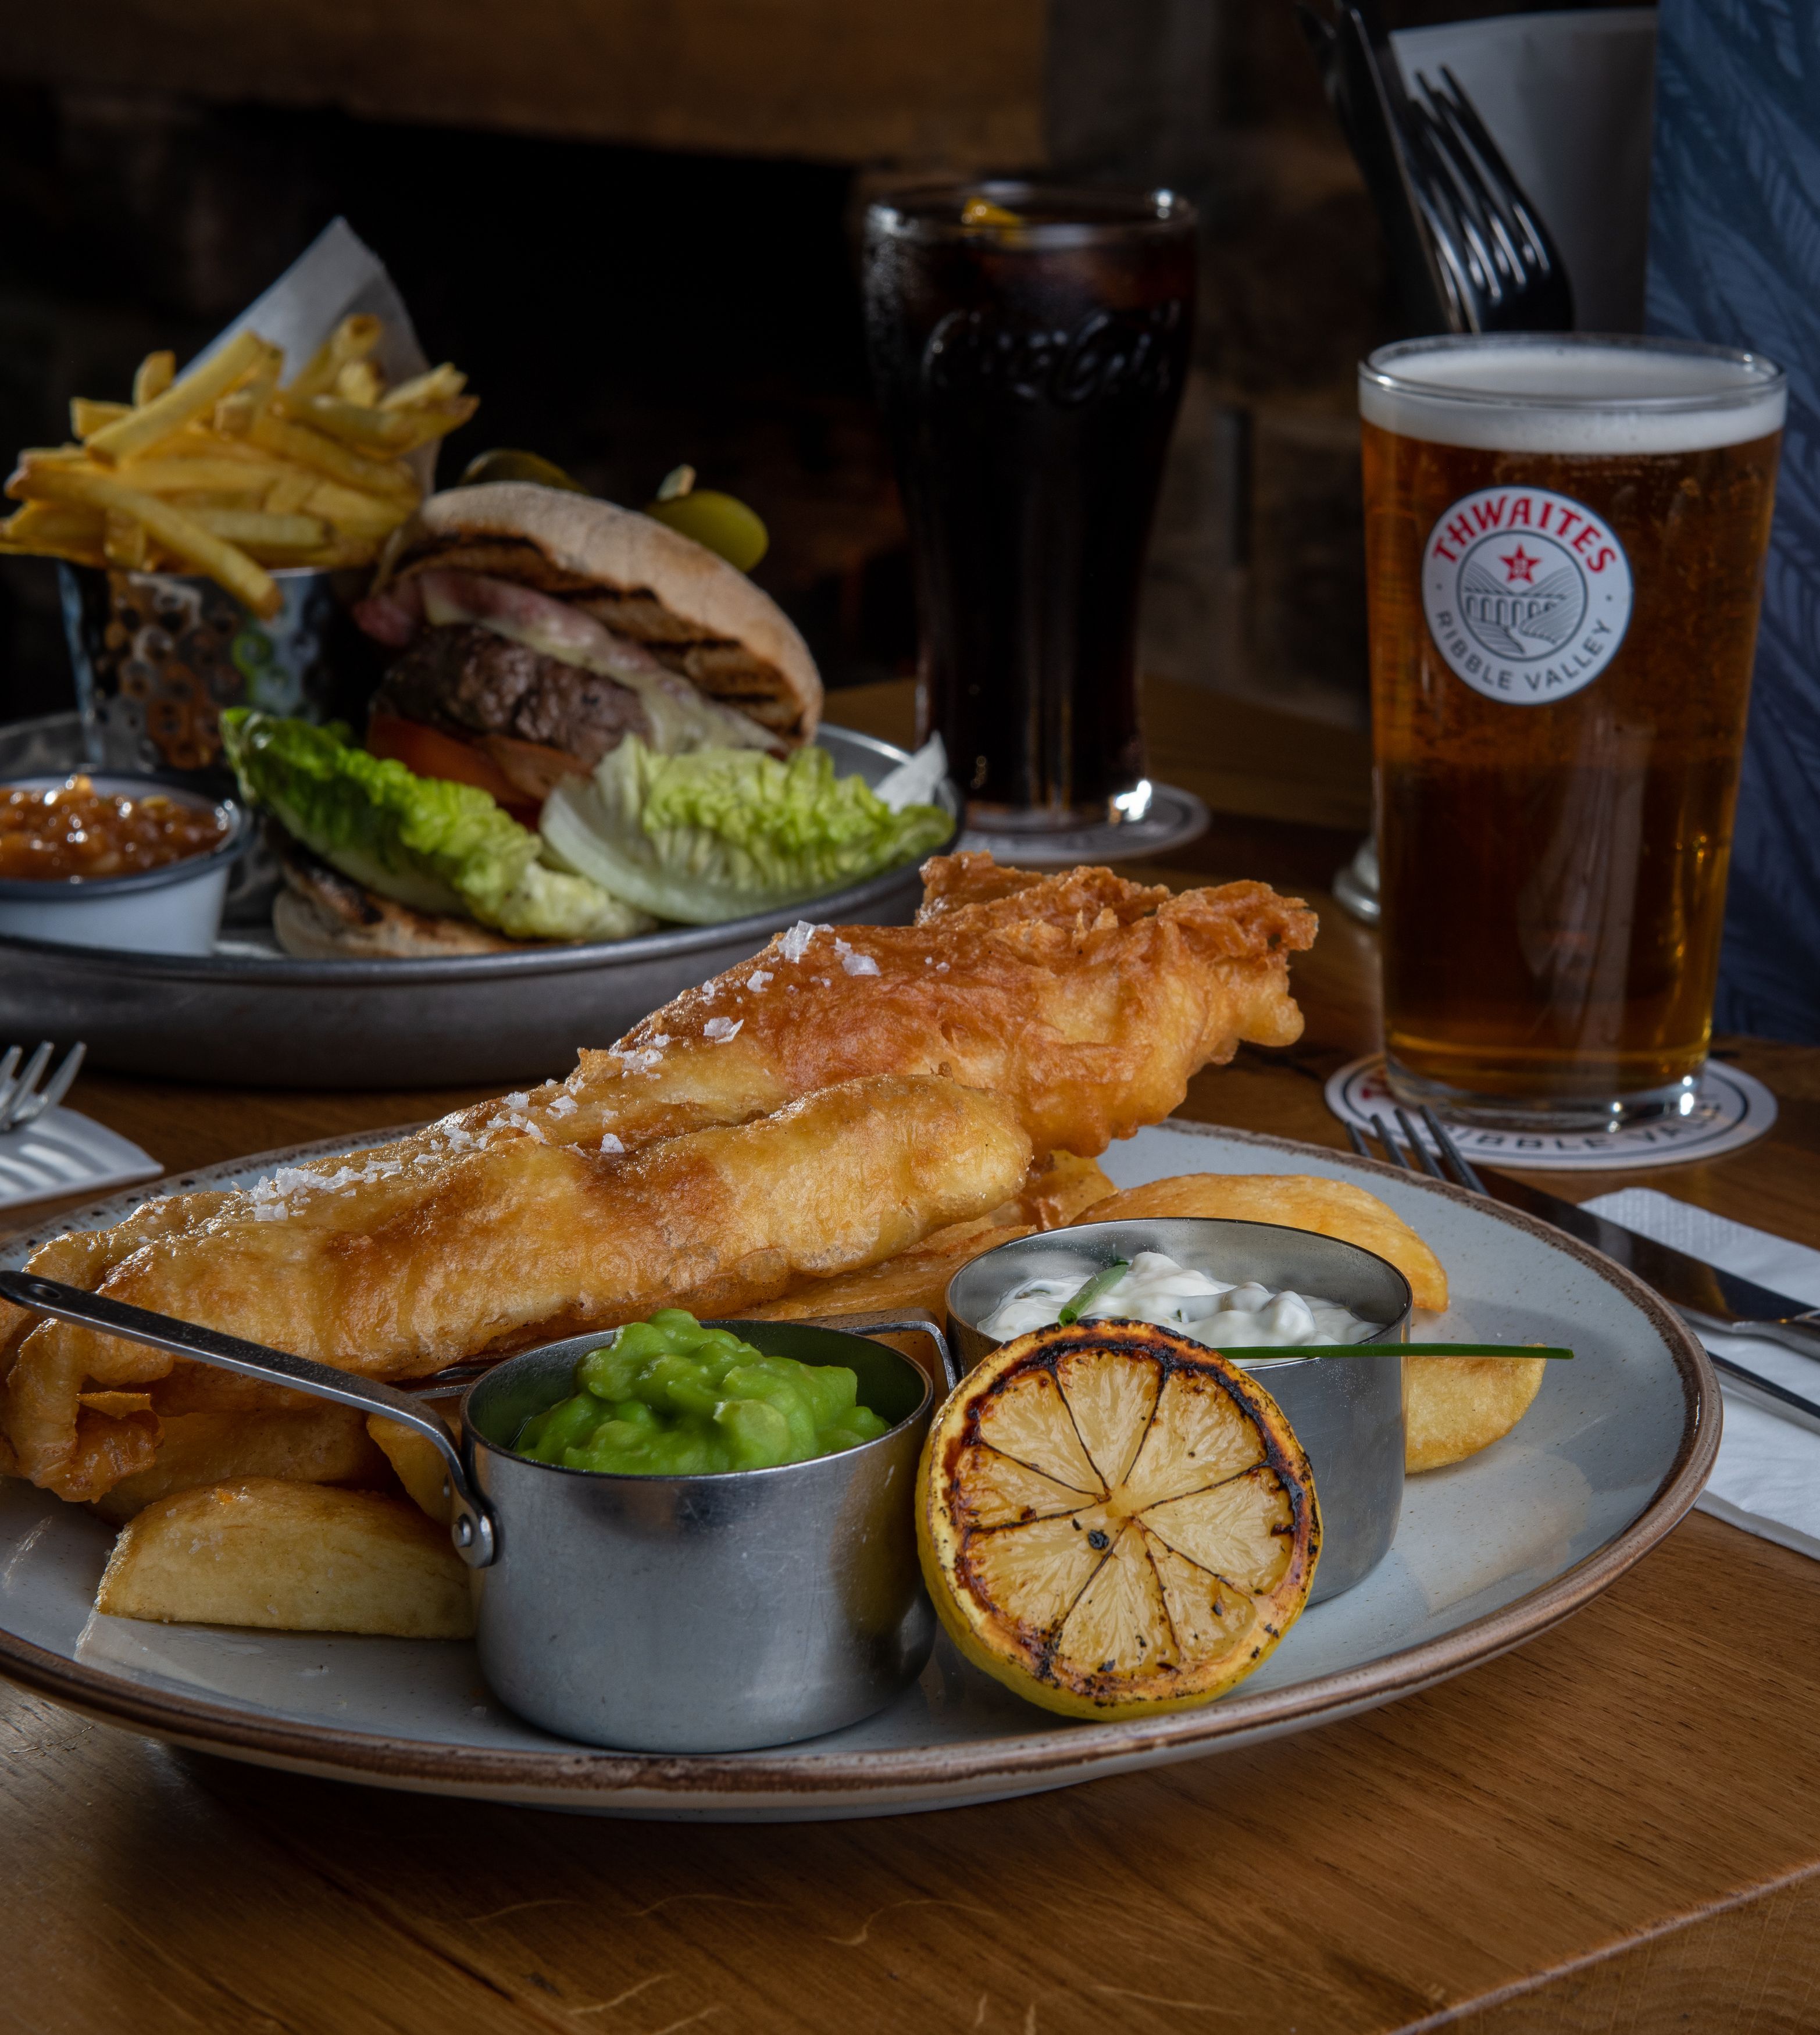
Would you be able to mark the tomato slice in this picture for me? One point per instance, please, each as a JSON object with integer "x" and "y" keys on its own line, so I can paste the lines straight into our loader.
{"x": 427, "y": 752}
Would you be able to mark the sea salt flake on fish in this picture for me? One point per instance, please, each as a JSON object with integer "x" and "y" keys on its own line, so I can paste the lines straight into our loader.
{"x": 721, "y": 1029}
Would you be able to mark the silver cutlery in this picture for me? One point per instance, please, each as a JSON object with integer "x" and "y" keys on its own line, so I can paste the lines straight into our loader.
{"x": 1469, "y": 251}
{"x": 21, "y": 1100}
{"x": 1703, "y": 1296}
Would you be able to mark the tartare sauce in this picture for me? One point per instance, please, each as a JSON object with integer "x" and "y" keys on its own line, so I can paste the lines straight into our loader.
{"x": 1154, "y": 1289}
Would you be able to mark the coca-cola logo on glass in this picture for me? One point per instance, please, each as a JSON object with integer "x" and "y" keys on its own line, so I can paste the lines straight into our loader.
{"x": 1526, "y": 593}
{"x": 1108, "y": 353}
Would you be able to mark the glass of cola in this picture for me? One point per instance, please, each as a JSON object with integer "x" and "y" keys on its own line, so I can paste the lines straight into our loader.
{"x": 1029, "y": 346}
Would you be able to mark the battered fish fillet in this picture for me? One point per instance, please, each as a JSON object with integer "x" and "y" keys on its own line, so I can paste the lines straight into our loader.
{"x": 1062, "y": 1191}
{"x": 396, "y": 1267}
{"x": 1087, "y": 1001}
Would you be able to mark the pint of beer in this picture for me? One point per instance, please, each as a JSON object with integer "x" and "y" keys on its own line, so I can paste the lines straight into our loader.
{"x": 1565, "y": 541}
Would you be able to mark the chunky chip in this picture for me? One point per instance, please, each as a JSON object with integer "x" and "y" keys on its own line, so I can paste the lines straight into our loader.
{"x": 1456, "y": 1405}
{"x": 1298, "y": 1201}
{"x": 289, "y": 1558}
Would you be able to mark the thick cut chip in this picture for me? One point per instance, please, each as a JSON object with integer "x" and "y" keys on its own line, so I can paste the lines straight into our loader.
{"x": 290, "y": 1557}
{"x": 1111, "y": 1397}
{"x": 996, "y": 1490}
{"x": 1030, "y": 1421}
{"x": 1155, "y": 1587}
{"x": 1297, "y": 1201}
{"x": 1198, "y": 1438}
{"x": 1458, "y": 1405}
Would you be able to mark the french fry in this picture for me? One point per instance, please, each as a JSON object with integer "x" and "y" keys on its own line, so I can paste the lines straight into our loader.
{"x": 352, "y": 340}
{"x": 169, "y": 527}
{"x": 197, "y": 393}
{"x": 418, "y": 1463}
{"x": 86, "y": 416}
{"x": 290, "y": 489}
{"x": 189, "y": 477}
{"x": 354, "y": 513}
{"x": 339, "y": 552}
{"x": 360, "y": 382}
{"x": 306, "y": 446}
{"x": 154, "y": 374}
{"x": 234, "y": 414}
{"x": 289, "y": 1558}
{"x": 224, "y": 472}
{"x": 385, "y": 432}
{"x": 57, "y": 530}
{"x": 254, "y": 529}
{"x": 124, "y": 543}
{"x": 319, "y": 1444}
{"x": 435, "y": 384}
{"x": 431, "y": 421}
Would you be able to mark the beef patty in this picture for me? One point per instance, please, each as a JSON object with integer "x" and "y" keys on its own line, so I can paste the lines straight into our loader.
{"x": 468, "y": 681}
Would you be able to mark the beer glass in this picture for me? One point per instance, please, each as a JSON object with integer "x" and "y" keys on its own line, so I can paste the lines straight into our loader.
{"x": 1029, "y": 348}
{"x": 1565, "y": 542}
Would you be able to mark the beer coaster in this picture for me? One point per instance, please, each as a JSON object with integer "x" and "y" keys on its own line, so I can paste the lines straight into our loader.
{"x": 1173, "y": 819}
{"x": 1734, "y": 1109}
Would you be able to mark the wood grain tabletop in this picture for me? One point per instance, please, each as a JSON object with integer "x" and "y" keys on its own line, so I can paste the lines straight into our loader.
{"x": 1616, "y": 1828}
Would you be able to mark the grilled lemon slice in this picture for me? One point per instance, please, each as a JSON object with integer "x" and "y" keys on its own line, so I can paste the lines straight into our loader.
{"x": 1114, "y": 1521}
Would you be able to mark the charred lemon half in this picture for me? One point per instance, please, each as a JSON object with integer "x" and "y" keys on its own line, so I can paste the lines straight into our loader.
{"x": 1114, "y": 1521}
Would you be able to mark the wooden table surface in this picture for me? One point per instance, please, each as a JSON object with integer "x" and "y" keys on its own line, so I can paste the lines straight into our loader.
{"x": 1616, "y": 1828}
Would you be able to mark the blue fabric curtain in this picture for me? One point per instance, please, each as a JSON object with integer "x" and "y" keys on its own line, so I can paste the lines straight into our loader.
{"x": 1735, "y": 257}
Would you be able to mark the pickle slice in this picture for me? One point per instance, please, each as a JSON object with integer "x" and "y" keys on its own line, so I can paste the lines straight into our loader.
{"x": 1114, "y": 1521}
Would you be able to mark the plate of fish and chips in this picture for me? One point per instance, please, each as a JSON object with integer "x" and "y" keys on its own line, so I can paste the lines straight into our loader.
{"x": 833, "y": 1129}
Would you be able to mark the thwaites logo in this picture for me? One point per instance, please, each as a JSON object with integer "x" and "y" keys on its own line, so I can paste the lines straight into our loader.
{"x": 1526, "y": 593}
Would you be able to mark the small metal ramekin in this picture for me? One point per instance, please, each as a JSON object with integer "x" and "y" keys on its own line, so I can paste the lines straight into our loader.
{"x": 1347, "y": 1412}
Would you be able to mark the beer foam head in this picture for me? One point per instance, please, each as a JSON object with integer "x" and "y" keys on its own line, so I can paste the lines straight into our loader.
{"x": 1555, "y": 393}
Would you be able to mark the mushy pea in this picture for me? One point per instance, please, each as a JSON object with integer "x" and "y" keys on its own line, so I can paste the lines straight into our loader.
{"x": 668, "y": 1397}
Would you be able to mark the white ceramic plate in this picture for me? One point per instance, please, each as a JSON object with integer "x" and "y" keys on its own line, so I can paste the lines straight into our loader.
{"x": 1489, "y": 1553}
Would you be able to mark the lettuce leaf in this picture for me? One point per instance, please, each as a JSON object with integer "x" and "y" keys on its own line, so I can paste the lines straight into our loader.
{"x": 437, "y": 846}
{"x": 721, "y": 832}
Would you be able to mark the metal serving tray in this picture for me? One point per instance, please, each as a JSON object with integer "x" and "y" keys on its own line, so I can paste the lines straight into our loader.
{"x": 249, "y": 1015}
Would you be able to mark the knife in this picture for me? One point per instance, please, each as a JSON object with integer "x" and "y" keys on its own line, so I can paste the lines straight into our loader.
{"x": 1702, "y": 1294}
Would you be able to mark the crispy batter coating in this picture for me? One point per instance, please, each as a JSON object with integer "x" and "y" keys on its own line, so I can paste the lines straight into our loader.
{"x": 396, "y": 1268}
{"x": 1085, "y": 1001}
{"x": 1063, "y": 1190}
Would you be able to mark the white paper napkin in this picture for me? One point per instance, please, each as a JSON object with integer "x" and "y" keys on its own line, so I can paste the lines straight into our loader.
{"x": 64, "y": 1153}
{"x": 1767, "y": 1479}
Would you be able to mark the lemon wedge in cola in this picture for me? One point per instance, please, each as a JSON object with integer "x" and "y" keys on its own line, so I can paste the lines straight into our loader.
{"x": 1114, "y": 1521}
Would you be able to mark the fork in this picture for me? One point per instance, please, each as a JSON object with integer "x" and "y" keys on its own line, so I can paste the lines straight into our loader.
{"x": 21, "y": 1100}
{"x": 1502, "y": 261}
{"x": 1464, "y": 1174}
{"x": 1460, "y": 1171}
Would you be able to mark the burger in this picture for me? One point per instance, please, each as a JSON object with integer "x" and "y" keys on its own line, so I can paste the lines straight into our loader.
{"x": 589, "y": 723}
{"x": 536, "y": 628}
